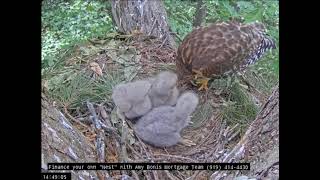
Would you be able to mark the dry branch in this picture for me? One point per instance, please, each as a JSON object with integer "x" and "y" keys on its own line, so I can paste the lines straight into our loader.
{"x": 260, "y": 144}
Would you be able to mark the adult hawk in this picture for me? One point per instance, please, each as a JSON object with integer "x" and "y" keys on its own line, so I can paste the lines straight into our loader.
{"x": 220, "y": 49}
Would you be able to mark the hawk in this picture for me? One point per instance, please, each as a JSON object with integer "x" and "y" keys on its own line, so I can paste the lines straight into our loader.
{"x": 221, "y": 49}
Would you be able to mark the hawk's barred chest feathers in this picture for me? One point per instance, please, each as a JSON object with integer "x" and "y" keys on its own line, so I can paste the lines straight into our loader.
{"x": 222, "y": 48}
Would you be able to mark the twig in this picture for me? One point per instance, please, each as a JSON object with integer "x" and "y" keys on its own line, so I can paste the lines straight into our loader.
{"x": 170, "y": 176}
{"x": 101, "y": 147}
{"x": 94, "y": 114}
{"x": 180, "y": 175}
{"x": 231, "y": 129}
{"x": 259, "y": 78}
{"x": 155, "y": 174}
{"x": 74, "y": 119}
{"x": 135, "y": 175}
{"x": 233, "y": 135}
{"x": 123, "y": 157}
{"x": 78, "y": 122}
{"x": 143, "y": 147}
{"x": 194, "y": 175}
{"x": 111, "y": 130}
{"x": 154, "y": 23}
{"x": 266, "y": 170}
{"x": 175, "y": 156}
{"x": 250, "y": 85}
{"x": 100, "y": 140}
{"x": 178, "y": 37}
{"x": 149, "y": 156}
{"x": 147, "y": 175}
{"x": 221, "y": 145}
{"x": 205, "y": 139}
{"x": 104, "y": 115}
{"x": 110, "y": 49}
{"x": 135, "y": 152}
{"x": 164, "y": 41}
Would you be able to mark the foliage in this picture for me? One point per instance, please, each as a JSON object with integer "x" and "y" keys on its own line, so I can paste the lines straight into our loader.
{"x": 65, "y": 23}
{"x": 239, "y": 108}
{"x": 73, "y": 88}
{"x": 180, "y": 16}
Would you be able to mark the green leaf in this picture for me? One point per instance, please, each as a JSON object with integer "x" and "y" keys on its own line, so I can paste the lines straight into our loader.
{"x": 253, "y": 16}
{"x": 49, "y": 61}
{"x": 131, "y": 71}
{"x": 245, "y": 6}
{"x": 232, "y": 12}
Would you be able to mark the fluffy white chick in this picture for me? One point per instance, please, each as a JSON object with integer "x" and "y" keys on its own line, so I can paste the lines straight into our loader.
{"x": 161, "y": 126}
{"x": 163, "y": 90}
{"x": 132, "y": 98}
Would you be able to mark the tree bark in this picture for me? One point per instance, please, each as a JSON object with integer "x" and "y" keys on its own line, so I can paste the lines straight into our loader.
{"x": 200, "y": 13}
{"x": 259, "y": 145}
{"x": 145, "y": 16}
{"x": 61, "y": 142}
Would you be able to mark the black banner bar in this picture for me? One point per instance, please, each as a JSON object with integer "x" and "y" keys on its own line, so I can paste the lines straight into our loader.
{"x": 149, "y": 166}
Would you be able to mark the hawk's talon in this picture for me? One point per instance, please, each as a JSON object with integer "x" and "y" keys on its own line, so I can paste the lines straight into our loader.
{"x": 200, "y": 79}
{"x": 204, "y": 84}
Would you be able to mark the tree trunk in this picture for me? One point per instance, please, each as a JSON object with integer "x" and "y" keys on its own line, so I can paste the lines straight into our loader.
{"x": 200, "y": 13}
{"x": 61, "y": 142}
{"x": 260, "y": 144}
{"x": 145, "y": 16}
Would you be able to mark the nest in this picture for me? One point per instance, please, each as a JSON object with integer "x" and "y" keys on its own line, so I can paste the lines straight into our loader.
{"x": 113, "y": 139}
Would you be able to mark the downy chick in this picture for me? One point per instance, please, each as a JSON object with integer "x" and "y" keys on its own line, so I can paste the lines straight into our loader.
{"x": 162, "y": 125}
{"x": 132, "y": 98}
{"x": 163, "y": 90}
